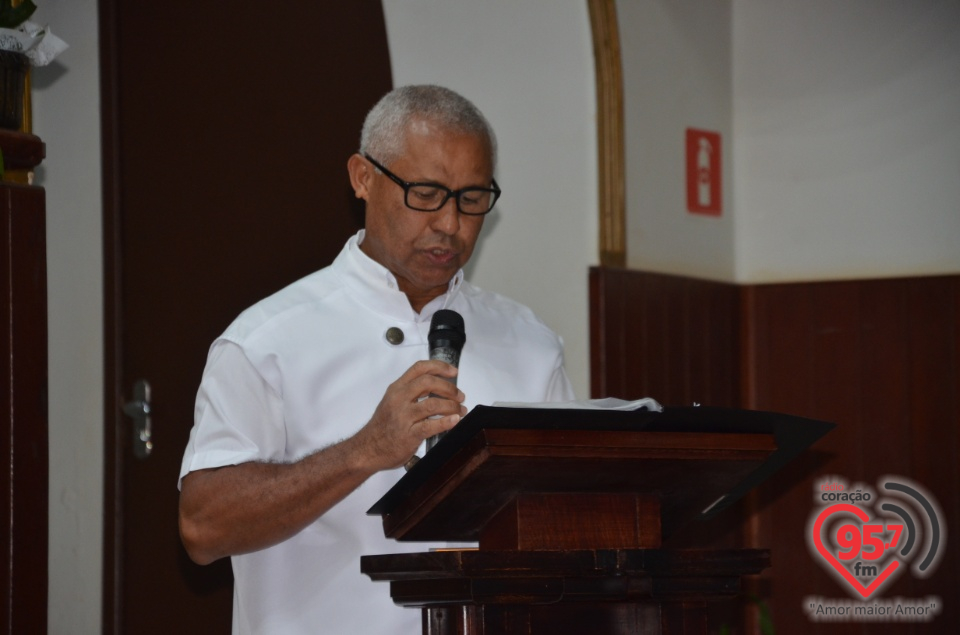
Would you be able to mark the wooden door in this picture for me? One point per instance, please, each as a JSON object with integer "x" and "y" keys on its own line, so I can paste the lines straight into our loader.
{"x": 226, "y": 135}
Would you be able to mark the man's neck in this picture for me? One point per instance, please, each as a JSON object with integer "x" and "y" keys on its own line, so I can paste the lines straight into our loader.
{"x": 419, "y": 299}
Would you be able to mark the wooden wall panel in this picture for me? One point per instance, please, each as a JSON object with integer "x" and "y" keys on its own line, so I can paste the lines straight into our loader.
{"x": 881, "y": 361}
{"x": 880, "y": 358}
{"x": 663, "y": 336}
{"x": 805, "y": 364}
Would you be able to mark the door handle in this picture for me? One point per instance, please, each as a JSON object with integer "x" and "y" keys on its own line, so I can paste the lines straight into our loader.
{"x": 139, "y": 411}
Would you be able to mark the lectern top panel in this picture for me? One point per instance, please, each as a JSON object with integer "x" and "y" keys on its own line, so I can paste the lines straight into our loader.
{"x": 697, "y": 460}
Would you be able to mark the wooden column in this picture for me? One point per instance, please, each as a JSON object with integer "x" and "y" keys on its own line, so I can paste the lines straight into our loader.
{"x": 23, "y": 389}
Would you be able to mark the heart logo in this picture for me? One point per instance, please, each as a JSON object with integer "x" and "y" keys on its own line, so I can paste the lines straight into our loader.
{"x": 851, "y": 536}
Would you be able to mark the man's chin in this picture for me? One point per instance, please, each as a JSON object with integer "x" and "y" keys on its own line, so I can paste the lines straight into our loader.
{"x": 436, "y": 283}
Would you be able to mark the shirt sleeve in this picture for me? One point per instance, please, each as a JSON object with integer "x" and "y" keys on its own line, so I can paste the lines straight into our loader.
{"x": 238, "y": 417}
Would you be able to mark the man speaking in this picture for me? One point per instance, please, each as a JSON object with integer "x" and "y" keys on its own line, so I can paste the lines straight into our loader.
{"x": 313, "y": 399}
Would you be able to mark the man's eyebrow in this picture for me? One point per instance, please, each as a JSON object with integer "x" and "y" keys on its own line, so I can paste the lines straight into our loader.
{"x": 447, "y": 187}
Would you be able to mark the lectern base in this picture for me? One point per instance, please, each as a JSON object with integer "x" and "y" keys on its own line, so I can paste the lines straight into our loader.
{"x": 596, "y": 592}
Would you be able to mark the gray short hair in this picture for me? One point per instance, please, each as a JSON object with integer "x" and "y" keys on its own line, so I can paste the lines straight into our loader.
{"x": 385, "y": 127}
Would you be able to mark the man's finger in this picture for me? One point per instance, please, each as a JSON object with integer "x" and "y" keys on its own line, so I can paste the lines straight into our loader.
{"x": 430, "y": 427}
{"x": 429, "y": 367}
{"x": 436, "y": 406}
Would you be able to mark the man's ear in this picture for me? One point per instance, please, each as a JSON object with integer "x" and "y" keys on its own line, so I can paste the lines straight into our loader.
{"x": 360, "y": 174}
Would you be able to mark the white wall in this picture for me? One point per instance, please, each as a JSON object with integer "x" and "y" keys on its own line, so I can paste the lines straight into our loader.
{"x": 847, "y": 138}
{"x": 529, "y": 67}
{"x": 676, "y": 75}
{"x": 841, "y": 136}
{"x": 67, "y": 117}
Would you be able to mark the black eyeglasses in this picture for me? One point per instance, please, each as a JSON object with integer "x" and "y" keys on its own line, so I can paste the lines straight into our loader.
{"x": 429, "y": 197}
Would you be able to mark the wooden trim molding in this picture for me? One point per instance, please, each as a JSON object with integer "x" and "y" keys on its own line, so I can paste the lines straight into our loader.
{"x": 609, "y": 79}
{"x": 113, "y": 581}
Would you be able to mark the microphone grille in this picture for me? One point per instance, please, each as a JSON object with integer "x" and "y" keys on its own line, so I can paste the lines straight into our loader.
{"x": 447, "y": 325}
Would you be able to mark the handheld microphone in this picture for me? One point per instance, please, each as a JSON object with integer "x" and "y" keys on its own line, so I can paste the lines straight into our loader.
{"x": 446, "y": 339}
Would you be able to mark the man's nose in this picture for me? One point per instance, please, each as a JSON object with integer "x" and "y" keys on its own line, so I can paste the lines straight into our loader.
{"x": 447, "y": 218}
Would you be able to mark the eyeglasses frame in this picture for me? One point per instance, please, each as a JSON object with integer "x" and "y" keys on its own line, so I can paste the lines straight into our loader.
{"x": 455, "y": 194}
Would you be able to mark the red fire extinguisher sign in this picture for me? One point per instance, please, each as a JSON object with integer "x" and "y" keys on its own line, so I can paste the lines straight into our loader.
{"x": 704, "y": 195}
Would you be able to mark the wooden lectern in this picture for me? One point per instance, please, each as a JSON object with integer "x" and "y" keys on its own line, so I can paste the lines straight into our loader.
{"x": 570, "y": 508}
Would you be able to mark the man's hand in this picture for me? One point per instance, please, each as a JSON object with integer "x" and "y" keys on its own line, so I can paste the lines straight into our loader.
{"x": 421, "y": 403}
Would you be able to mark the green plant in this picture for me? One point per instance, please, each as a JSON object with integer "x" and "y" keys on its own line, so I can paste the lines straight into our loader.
{"x": 13, "y": 16}
{"x": 766, "y": 620}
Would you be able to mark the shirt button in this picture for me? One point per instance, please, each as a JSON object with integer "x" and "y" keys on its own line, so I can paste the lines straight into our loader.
{"x": 394, "y": 335}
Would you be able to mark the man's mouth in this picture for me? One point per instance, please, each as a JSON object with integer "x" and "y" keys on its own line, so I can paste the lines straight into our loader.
{"x": 440, "y": 256}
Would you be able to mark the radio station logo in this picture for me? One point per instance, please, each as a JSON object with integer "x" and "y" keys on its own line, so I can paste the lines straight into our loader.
{"x": 867, "y": 538}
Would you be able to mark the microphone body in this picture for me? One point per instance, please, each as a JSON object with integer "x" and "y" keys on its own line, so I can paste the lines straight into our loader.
{"x": 446, "y": 339}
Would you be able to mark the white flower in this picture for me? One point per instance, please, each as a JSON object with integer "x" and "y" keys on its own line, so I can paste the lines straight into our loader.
{"x": 35, "y": 41}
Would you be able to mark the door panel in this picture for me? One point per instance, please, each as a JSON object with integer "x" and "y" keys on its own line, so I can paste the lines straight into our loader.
{"x": 226, "y": 135}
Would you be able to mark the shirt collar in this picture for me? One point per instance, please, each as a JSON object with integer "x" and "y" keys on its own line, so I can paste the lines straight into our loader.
{"x": 377, "y": 287}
